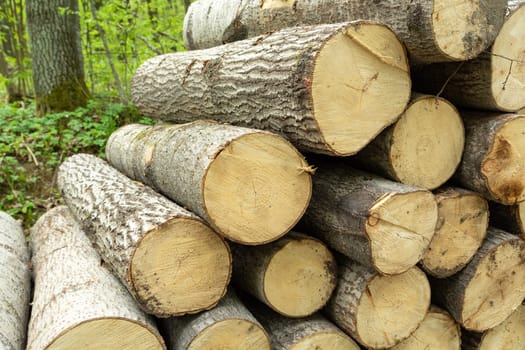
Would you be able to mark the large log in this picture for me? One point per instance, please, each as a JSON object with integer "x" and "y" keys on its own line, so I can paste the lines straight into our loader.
{"x": 378, "y": 222}
{"x": 15, "y": 284}
{"x": 167, "y": 257}
{"x": 329, "y": 88}
{"x": 463, "y": 218}
{"x": 295, "y": 275}
{"x": 376, "y": 310}
{"x": 432, "y": 30}
{"x": 490, "y": 287}
{"x": 492, "y": 162}
{"x": 495, "y": 80}
{"x": 229, "y": 325}
{"x": 251, "y": 186}
{"x": 510, "y": 218}
{"x": 78, "y": 303}
{"x": 423, "y": 148}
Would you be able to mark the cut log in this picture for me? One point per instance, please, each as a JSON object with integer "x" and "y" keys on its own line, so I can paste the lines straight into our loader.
{"x": 505, "y": 336}
{"x": 462, "y": 225}
{"x": 249, "y": 185}
{"x": 423, "y": 148}
{"x": 495, "y": 80}
{"x": 510, "y": 218}
{"x": 490, "y": 287}
{"x": 295, "y": 275}
{"x": 229, "y": 325}
{"x": 323, "y": 87}
{"x": 378, "y": 311}
{"x": 438, "y": 331}
{"x": 15, "y": 284}
{"x": 167, "y": 257}
{"x": 493, "y": 162}
{"x": 433, "y": 30}
{"x": 78, "y": 303}
{"x": 378, "y": 222}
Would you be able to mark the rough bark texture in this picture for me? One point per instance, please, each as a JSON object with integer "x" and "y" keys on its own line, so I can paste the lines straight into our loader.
{"x": 73, "y": 288}
{"x": 210, "y": 23}
{"x": 15, "y": 284}
{"x": 179, "y": 161}
{"x": 271, "y": 82}
{"x": 122, "y": 216}
{"x": 508, "y": 217}
{"x": 56, "y": 55}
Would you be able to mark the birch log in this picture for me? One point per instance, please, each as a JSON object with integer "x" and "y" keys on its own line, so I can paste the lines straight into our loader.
{"x": 510, "y": 218}
{"x": 169, "y": 260}
{"x": 378, "y": 311}
{"x": 78, "y": 303}
{"x": 15, "y": 284}
{"x": 249, "y": 185}
{"x": 462, "y": 225}
{"x": 380, "y": 223}
{"x": 329, "y": 88}
{"x": 495, "y": 80}
{"x": 493, "y": 162}
{"x": 490, "y": 287}
{"x": 433, "y": 31}
{"x": 295, "y": 275}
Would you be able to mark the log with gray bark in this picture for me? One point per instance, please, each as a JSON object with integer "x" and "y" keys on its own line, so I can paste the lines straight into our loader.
{"x": 78, "y": 303}
{"x": 295, "y": 275}
{"x": 167, "y": 257}
{"x": 15, "y": 284}
{"x": 251, "y": 186}
{"x": 380, "y": 223}
{"x": 510, "y": 218}
{"x": 490, "y": 287}
{"x": 432, "y": 30}
{"x": 328, "y": 88}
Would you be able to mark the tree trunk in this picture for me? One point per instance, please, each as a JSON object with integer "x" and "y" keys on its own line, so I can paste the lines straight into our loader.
{"x": 433, "y": 31}
{"x": 492, "y": 162}
{"x": 510, "y": 218}
{"x": 15, "y": 284}
{"x": 170, "y": 261}
{"x": 56, "y": 55}
{"x": 438, "y": 331}
{"x": 462, "y": 225}
{"x": 295, "y": 275}
{"x": 250, "y": 185}
{"x": 423, "y": 148}
{"x": 378, "y": 311}
{"x": 505, "y": 336}
{"x": 79, "y": 304}
{"x": 322, "y": 87}
{"x": 229, "y": 325}
{"x": 495, "y": 80}
{"x": 380, "y": 223}
{"x": 490, "y": 287}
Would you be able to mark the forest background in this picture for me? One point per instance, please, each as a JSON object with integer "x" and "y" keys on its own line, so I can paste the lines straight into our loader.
{"x": 65, "y": 68}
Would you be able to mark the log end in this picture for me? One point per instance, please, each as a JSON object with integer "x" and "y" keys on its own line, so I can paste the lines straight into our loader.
{"x": 507, "y": 335}
{"x": 332, "y": 340}
{"x": 353, "y": 73}
{"x": 180, "y": 267}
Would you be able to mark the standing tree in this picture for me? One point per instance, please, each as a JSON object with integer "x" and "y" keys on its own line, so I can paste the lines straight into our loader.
{"x": 56, "y": 53}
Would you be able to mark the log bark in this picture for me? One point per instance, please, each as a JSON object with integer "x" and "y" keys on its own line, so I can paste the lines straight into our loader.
{"x": 423, "y": 148}
{"x": 229, "y": 325}
{"x": 433, "y": 31}
{"x": 167, "y": 257}
{"x": 490, "y": 287}
{"x": 249, "y": 185}
{"x": 323, "y": 87}
{"x": 510, "y": 218}
{"x": 15, "y": 284}
{"x": 380, "y": 223}
{"x": 378, "y": 311}
{"x": 438, "y": 331}
{"x": 492, "y": 163}
{"x": 463, "y": 218}
{"x": 495, "y": 80}
{"x": 506, "y": 335}
{"x": 295, "y": 275}
{"x": 78, "y": 303}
